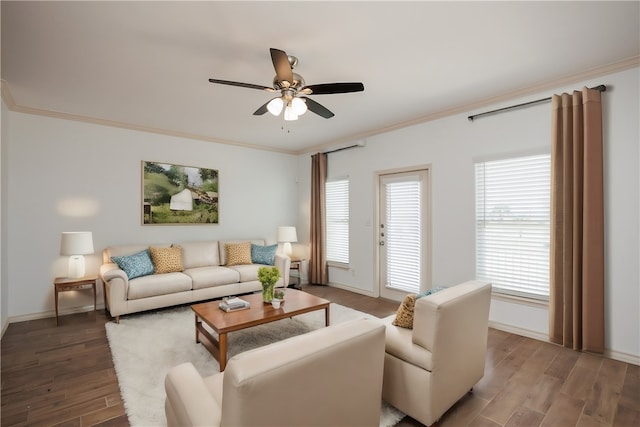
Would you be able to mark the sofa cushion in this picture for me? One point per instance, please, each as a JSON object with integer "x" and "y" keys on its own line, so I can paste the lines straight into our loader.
{"x": 158, "y": 284}
{"x": 206, "y": 277}
{"x": 247, "y": 272}
{"x": 263, "y": 254}
{"x": 238, "y": 253}
{"x": 135, "y": 265}
{"x": 200, "y": 254}
{"x": 166, "y": 260}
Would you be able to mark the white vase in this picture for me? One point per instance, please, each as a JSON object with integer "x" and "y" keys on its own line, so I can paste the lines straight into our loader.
{"x": 275, "y": 303}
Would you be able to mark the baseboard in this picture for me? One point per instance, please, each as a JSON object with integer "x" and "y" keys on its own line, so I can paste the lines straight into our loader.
{"x": 623, "y": 357}
{"x": 519, "y": 331}
{"x": 352, "y": 289}
{"x": 52, "y": 313}
{"x": 610, "y": 354}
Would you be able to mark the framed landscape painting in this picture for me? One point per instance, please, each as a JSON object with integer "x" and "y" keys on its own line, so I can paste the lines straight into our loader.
{"x": 175, "y": 194}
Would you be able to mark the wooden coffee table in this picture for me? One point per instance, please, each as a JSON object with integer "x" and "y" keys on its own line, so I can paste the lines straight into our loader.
{"x": 295, "y": 303}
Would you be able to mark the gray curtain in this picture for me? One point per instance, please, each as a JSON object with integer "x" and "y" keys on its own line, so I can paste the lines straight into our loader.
{"x": 576, "y": 294}
{"x": 318, "y": 258}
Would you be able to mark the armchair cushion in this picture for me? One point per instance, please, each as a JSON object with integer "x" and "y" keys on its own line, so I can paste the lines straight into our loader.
{"x": 399, "y": 344}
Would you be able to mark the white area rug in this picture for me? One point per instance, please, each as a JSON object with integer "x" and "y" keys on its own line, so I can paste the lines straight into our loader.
{"x": 146, "y": 346}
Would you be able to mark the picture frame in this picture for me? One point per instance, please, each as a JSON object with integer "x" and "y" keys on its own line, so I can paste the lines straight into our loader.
{"x": 178, "y": 195}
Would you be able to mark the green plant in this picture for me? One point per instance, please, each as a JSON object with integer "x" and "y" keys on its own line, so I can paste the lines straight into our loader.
{"x": 278, "y": 294}
{"x": 268, "y": 275}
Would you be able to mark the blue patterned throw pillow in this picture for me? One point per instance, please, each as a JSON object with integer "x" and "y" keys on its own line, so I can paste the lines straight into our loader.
{"x": 263, "y": 254}
{"x": 429, "y": 292}
{"x": 136, "y": 265}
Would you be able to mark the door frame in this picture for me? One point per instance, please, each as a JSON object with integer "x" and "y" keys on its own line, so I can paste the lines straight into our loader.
{"x": 427, "y": 234}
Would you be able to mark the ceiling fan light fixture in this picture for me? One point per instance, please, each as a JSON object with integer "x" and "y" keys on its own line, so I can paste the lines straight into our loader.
{"x": 299, "y": 106}
{"x": 290, "y": 114}
{"x": 275, "y": 106}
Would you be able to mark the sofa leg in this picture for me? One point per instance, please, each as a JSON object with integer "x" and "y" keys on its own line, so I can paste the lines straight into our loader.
{"x": 117, "y": 319}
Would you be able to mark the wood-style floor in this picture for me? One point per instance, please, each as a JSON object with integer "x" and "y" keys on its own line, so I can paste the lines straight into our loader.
{"x": 64, "y": 376}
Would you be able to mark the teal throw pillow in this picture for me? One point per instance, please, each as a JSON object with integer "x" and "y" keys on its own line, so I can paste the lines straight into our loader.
{"x": 263, "y": 254}
{"x": 430, "y": 291}
{"x": 136, "y": 265}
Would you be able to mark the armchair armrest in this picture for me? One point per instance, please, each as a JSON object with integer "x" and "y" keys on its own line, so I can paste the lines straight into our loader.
{"x": 189, "y": 402}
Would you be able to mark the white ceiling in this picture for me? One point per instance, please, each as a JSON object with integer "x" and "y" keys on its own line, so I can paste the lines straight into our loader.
{"x": 147, "y": 64}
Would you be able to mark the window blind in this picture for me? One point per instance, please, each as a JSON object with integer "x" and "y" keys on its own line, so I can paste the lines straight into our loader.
{"x": 513, "y": 224}
{"x": 337, "y": 220}
{"x": 403, "y": 233}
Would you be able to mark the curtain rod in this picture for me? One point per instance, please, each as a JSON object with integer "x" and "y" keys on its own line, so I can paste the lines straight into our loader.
{"x": 343, "y": 148}
{"x": 601, "y": 88}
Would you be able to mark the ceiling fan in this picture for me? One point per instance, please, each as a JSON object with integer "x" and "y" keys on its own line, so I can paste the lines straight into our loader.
{"x": 292, "y": 89}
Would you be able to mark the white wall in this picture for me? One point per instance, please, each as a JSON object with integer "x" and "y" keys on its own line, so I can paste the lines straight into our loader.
{"x": 73, "y": 176}
{"x": 450, "y": 145}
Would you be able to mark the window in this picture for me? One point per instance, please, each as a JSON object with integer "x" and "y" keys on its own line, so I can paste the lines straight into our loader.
{"x": 402, "y": 230}
{"x": 337, "y": 217}
{"x": 513, "y": 223}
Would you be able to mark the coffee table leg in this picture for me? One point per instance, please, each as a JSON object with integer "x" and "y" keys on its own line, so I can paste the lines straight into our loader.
{"x": 197, "y": 324}
{"x": 222, "y": 342}
{"x": 326, "y": 316}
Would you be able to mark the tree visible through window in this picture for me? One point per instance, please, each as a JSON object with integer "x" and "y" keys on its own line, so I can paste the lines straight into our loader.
{"x": 513, "y": 224}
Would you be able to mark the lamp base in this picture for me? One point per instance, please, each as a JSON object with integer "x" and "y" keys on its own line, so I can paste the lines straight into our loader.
{"x": 286, "y": 248}
{"x": 76, "y": 267}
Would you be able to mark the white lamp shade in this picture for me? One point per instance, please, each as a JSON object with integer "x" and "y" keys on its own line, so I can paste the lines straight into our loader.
{"x": 287, "y": 234}
{"x": 275, "y": 106}
{"x": 299, "y": 106}
{"x": 76, "y": 243}
{"x": 289, "y": 114}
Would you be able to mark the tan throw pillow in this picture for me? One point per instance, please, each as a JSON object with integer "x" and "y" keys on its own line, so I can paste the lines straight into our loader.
{"x": 166, "y": 260}
{"x": 238, "y": 253}
{"x": 404, "y": 315}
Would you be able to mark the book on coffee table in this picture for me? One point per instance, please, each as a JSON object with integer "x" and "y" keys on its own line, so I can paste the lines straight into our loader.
{"x": 233, "y": 304}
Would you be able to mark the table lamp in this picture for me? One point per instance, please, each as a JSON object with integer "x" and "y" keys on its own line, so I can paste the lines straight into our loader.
{"x": 286, "y": 235}
{"x": 76, "y": 244}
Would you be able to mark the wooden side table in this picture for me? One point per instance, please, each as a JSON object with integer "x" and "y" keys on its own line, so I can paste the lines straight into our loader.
{"x": 64, "y": 284}
{"x": 295, "y": 271}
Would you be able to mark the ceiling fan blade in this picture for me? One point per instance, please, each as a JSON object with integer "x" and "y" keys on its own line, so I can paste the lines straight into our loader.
{"x": 281, "y": 65}
{"x": 317, "y": 108}
{"x": 263, "y": 109}
{"x": 247, "y": 85}
{"x": 329, "y": 88}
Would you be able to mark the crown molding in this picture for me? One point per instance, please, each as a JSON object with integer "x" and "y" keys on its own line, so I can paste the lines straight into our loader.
{"x": 507, "y": 96}
{"x": 618, "y": 66}
{"x": 11, "y": 104}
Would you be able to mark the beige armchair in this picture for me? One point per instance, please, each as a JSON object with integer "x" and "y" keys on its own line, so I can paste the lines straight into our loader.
{"x": 328, "y": 377}
{"x": 429, "y": 368}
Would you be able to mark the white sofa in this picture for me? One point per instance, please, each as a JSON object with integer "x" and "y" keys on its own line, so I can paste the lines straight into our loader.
{"x": 427, "y": 369}
{"x": 205, "y": 275}
{"x": 328, "y": 377}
